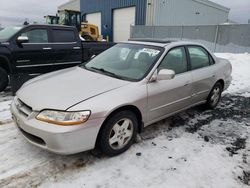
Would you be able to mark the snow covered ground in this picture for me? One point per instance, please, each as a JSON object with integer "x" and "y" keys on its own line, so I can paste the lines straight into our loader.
{"x": 195, "y": 148}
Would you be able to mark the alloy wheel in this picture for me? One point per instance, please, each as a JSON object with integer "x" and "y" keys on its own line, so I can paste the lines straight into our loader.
{"x": 121, "y": 134}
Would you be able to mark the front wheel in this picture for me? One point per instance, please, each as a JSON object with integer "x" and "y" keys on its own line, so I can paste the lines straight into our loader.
{"x": 4, "y": 80}
{"x": 119, "y": 133}
{"x": 214, "y": 96}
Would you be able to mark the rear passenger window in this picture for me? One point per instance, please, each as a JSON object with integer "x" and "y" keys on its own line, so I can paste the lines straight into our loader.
{"x": 199, "y": 57}
{"x": 63, "y": 35}
{"x": 175, "y": 60}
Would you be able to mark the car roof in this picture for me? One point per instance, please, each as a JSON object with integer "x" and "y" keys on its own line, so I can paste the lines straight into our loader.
{"x": 49, "y": 26}
{"x": 160, "y": 42}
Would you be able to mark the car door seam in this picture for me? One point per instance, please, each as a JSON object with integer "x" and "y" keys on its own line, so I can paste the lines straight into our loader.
{"x": 174, "y": 102}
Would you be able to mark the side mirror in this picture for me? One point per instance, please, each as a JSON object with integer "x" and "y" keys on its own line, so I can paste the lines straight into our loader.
{"x": 22, "y": 39}
{"x": 165, "y": 74}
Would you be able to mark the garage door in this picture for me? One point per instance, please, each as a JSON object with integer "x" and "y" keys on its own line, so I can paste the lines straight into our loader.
{"x": 95, "y": 18}
{"x": 122, "y": 19}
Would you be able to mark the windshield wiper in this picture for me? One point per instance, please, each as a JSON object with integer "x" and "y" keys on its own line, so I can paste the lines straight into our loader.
{"x": 107, "y": 72}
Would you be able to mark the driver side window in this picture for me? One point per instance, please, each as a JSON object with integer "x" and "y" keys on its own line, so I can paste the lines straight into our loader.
{"x": 37, "y": 36}
{"x": 175, "y": 60}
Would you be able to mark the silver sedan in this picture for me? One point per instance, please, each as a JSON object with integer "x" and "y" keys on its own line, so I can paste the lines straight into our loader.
{"x": 107, "y": 101}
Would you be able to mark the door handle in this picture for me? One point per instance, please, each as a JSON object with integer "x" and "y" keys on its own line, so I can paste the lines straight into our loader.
{"x": 186, "y": 84}
{"x": 47, "y": 48}
{"x": 76, "y": 48}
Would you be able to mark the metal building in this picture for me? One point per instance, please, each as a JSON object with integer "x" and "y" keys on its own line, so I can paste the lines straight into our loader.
{"x": 114, "y": 17}
{"x": 71, "y": 5}
{"x": 185, "y": 12}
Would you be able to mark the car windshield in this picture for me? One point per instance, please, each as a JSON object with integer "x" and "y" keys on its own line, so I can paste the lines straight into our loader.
{"x": 8, "y": 32}
{"x": 126, "y": 61}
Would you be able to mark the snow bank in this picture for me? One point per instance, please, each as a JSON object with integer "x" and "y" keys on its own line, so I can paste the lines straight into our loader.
{"x": 241, "y": 73}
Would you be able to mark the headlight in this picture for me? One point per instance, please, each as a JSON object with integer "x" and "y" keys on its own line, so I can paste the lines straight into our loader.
{"x": 63, "y": 118}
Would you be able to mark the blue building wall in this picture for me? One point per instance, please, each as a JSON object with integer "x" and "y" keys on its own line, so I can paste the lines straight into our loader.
{"x": 106, "y": 8}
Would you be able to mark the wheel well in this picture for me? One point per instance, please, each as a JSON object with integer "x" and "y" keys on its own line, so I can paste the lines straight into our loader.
{"x": 4, "y": 65}
{"x": 131, "y": 108}
{"x": 222, "y": 83}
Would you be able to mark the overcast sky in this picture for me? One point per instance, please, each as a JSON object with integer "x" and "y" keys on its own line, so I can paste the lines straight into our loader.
{"x": 14, "y": 12}
{"x": 240, "y": 9}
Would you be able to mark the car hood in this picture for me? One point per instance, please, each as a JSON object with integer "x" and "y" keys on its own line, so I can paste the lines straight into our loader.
{"x": 63, "y": 89}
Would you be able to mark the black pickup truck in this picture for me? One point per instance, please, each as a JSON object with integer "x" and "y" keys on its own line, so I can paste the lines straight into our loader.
{"x": 28, "y": 51}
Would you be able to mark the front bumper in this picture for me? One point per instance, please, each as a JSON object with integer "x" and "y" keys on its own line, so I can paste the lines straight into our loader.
{"x": 57, "y": 139}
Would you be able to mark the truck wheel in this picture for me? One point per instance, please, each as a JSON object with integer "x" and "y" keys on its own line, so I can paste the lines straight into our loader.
{"x": 119, "y": 133}
{"x": 4, "y": 80}
{"x": 214, "y": 96}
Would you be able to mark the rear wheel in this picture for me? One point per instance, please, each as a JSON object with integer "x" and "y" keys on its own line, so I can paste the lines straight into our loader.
{"x": 119, "y": 133}
{"x": 214, "y": 96}
{"x": 4, "y": 80}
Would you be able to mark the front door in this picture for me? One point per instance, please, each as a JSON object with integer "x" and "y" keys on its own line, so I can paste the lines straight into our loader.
{"x": 34, "y": 56}
{"x": 168, "y": 96}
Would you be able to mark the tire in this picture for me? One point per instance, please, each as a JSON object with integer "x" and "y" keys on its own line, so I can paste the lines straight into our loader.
{"x": 214, "y": 96}
{"x": 4, "y": 79}
{"x": 119, "y": 133}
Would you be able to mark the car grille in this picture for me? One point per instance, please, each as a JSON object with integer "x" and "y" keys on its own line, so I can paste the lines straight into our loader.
{"x": 23, "y": 108}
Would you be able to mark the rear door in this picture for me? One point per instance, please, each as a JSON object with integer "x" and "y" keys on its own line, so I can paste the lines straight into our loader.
{"x": 34, "y": 56}
{"x": 168, "y": 96}
{"x": 66, "y": 47}
{"x": 203, "y": 72}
